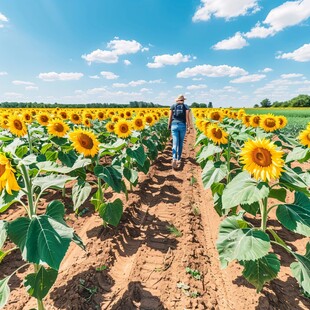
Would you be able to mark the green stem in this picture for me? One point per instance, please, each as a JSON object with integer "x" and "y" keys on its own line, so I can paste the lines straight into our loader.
{"x": 228, "y": 161}
{"x": 39, "y": 301}
{"x": 29, "y": 140}
{"x": 32, "y": 209}
{"x": 264, "y": 213}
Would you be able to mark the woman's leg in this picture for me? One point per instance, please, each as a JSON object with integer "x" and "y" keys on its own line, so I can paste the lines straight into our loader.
{"x": 182, "y": 131}
{"x": 175, "y": 140}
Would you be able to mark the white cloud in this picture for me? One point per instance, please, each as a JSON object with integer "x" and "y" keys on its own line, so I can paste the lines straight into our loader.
{"x": 16, "y": 82}
{"x": 266, "y": 70}
{"x": 195, "y": 87}
{"x": 31, "y": 87}
{"x": 123, "y": 47}
{"x": 96, "y": 91}
{"x": 197, "y": 79}
{"x": 156, "y": 81}
{"x": 101, "y": 56}
{"x": 127, "y": 62}
{"x": 145, "y": 90}
{"x": 178, "y": 86}
{"x": 285, "y": 15}
{"x": 166, "y": 59}
{"x": 109, "y": 75}
{"x": 224, "y": 9}
{"x": 136, "y": 83}
{"x": 95, "y": 77}
{"x": 3, "y": 18}
{"x": 302, "y": 54}
{"x": 212, "y": 71}
{"x": 63, "y": 76}
{"x": 291, "y": 75}
{"x": 120, "y": 85}
{"x": 249, "y": 78}
{"x": 2, "y": 73}
{"x": 233, "y": 43}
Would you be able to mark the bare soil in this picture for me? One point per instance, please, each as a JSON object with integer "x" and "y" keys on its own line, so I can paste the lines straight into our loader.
{"x": 145, "y": 261}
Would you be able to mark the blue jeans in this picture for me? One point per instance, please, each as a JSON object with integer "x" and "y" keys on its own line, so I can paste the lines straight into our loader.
{"x": 178, "y": 131}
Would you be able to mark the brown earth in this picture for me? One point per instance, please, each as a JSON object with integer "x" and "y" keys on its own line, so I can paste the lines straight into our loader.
{"x": 146, "y": 262}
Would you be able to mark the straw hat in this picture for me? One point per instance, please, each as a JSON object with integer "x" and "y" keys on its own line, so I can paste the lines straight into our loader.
{"x": 180, "y": 98}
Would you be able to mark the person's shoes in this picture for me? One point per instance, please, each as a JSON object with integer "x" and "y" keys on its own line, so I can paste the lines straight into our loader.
{"x": 178, "y": 163}
{"x": 174, "y": 163}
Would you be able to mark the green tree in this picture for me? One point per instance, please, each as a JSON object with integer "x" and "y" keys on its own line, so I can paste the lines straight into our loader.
{"x": 266, "y": 103}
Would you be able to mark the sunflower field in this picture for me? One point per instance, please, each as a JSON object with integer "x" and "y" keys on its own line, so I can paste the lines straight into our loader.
{"x": 246, "y": 160}
{"x": 44, "y": 149}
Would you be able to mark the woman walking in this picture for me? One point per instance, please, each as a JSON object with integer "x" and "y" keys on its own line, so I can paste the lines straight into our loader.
{"x": 179, "y": 122}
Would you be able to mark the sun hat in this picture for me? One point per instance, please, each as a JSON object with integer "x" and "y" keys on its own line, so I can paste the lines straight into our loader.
{"x": 180, "y": 98}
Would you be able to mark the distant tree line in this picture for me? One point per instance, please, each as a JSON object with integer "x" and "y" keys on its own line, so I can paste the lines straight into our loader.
{"x": 299, "y": 101}
{"x": 201, "y": 105}
{"x": 132, "y": 104}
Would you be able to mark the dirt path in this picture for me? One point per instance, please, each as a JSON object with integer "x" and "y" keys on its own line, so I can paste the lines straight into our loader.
{"x": 141, "y": 264}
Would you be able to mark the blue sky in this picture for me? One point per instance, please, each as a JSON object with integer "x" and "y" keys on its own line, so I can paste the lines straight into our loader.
{"x": 232, "y": 52}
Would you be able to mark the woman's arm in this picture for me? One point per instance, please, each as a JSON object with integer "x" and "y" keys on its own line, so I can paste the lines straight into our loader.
{"x": 188, "y": 120}
{"x": 170, "y": 120}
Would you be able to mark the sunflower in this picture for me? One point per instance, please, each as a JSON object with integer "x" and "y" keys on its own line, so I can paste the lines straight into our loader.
{"x": 123, "y": 128}
{"x": 17, "y": 125}
{"x": 75, "y": 118}
{"x": 254, "y": 120}
{"x": 240, "y": 113}
{"x": 43, "y": 119}
{"x": 262, "y": 159}
{"x": 282, "y": 121}
{"x": 128, "y": 114}
{"x": 27, "y": 117}
{"x": 87, "y": 122}
{"x": 115, "y": 118}
{"x": 7, "y": 177}
{"x": 101, "y": 115}
{"x": 304, "y": 137}
{"x": 138, "y": 123}
{"x": 269, "y": 122}
{"x": 63, "y": 115}
{"x": 110, "y": 126}
{"x": 217, "y": 134}
{"x": 84, "y": 142}
{"x": 246, "y": 120}
{"x": 57, "y": 128}
{"x": 149, "y": 118}
{"x": 216, "y": 115}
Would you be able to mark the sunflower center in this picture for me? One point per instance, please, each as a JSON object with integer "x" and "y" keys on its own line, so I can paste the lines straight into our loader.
{"x": 18, "y": 124}
{"x": 262, "y": 157}
{"x": 270, "y": 122}
{"x": 59, "y": 127}
{"x": 86, "y": 141}
{"x": 215, "y": 116}
{"x": 44, "y": 118}
{"x": 217, "y": 133}
{"x": 100, "y": 114}
{"x": 124, "y": 128}
{"x": 27, "y": 117}
{"x": 2, "y": 170}
{"x": 138, "y": 122}
{"x": 75, "y": 117}
{"x": 149, "y": 119}
{"x": 256, "y": 120}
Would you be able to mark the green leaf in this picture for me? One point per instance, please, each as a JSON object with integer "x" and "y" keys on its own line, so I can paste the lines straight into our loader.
{"x": 41, "y": 239}
{"x": 49, "y": 166}
{"x": 262, "y": 270}
{"x": 7, "y": 200}
{"x": 3, "y": 233}
{"x": 38, "y": 284}
{"x": 236, "y": 241}
{"x": 52, "y": 180}
{"x": 80, "y": 193}
{"x": 296, "y": 216}
{"x": 29, "y": 160}
{"x": 301, "y": 269}
{"x": 4, "y": 291}
{"x": 51, "y": 155}
{"x": 46, "y": 147}
{"x": 208, "y": 151}
{"x": 252, "y": 208}
{"x": 292, "y": 181}
{"x": 110, "y": 175}
{"x": 11, "y": 148}
{"x": 131, "y": 175}
{"x": 298, "y": 154}
{"x": 200, "y": 139}
{"x": 59, "y": 141}
{"x": 97, "y": 199}
{"x": 145, "y": 168}
{"x": 137, "y": 154}
{"x": 278, "y": 193}
{"x": 56, "y": 210}
{"x": 111, "y": 212}
{"x": 3, "y": 255}
{"x": 243, "y": 190}
{"x": 68, "y": 159}
{"x": 213, "y": 173}
{"x": 21, "y": 151}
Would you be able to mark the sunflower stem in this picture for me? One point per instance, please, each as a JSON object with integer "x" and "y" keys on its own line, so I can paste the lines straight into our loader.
{"x": 228, "y": 160}
{"x": 31, "y": 210}
{"x": 39, "y": 301}
{"x": 29, "y": 140}
{"x": 264, "y": 213}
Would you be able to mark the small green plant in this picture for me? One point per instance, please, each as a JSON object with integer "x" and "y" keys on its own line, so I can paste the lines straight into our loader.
{"x": 192, "y": 181}
{"x": 196, "y": 211}
{"x": 174, "y": 231}
{"x": 186, "y": 290}
{"x": 194, "y": 273}
{"x": 101, "y": 268}
{"x": 90, "y": 290}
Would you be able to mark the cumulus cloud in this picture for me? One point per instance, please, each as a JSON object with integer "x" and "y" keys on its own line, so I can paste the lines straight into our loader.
{"x": 116, "y": 48}
{"x": 166, "y": 59}
{"x": 212, "y": 71}
{"x": 136, "y": 83}
{"x": 291, "y": 75}
{"x": 95, "y": 77}
{"x": 302, "y": 54}
{"x": 195, "y": 87}
{"x": 2, "y": 73}
{"x": 109, "y": 75}
{"x": 127, "y": 62}
{"x": 224, "y": 9}
{"x": 3, "y": 19}
{"x": 285, "y": 15}
{"x": 96, "y": 91}
{"x": 233, "y": 43}
{"x": 178, "y": 86}
{"x": 249, "y": 78}
{"x": 266, "y": 70}
{"x": 31, "y": 87}
{"x": 16, "y": 82}
{"x": 63, "y": 76}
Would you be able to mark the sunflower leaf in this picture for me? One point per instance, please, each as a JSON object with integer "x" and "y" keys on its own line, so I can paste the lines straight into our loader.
{"x": 207, "y": 151}
{"x": 137, "y": 154}
{"x": 4, "y": 291}
{"x": 291, "y": 180}
{"x": 243, "y": 190}
{"x": 298, "y": 154}
{"x": 110, "y": 175}
{"x": 111, "y": 212}
{"x": 213, "y": 173}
